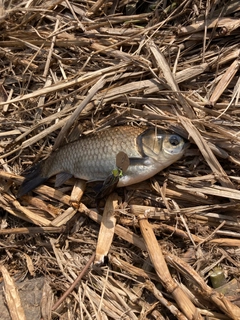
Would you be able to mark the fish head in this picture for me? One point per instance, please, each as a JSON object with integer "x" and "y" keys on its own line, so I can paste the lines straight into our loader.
{"x": 164, "y": 148}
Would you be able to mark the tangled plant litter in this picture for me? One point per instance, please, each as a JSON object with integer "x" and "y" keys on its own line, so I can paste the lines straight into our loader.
{"x": 71, "y": 68}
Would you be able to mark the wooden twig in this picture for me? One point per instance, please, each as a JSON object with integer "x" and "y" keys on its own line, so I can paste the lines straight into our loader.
{"x": 74, "y": 284}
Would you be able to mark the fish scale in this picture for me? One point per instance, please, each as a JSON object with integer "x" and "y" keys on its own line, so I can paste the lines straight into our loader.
{"x": 94, "y": 157}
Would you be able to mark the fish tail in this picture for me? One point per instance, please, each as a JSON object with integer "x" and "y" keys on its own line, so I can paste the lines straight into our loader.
{"x": 34, "y": 177}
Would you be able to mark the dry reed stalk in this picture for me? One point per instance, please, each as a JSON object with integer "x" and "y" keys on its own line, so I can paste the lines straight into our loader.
{"x": 76, "y": 281}
{"x": 42, "y": 122}
{"x": 10, "y": 133}
{"x": 77, "y": 192}
{"x": 171, "y": 307}
{"x": 107, "y": 305}
{"x": 107, "y": 228}
{"x": 64, "y": 217}
{"x": 54, "y": 194}
{"x": 62, "y": 262}
{"x": 229, "y": 24}
{"x": 157, "y": 258}
{"x": 232, "y": 55}
{"x": 198, "y": 214}
{"x": 125, "y": 305}
{"x": 17, "y": 43}
{"x": 214, "y": 220}
{"x": 43, "y": 134}
{"x": 33, "y": 230}
{"x": 42, "y": 205}
{"x": 59, "y": 86}
{"x": 123, "y": 265}
{"x": 224, "y": 82}
{"x": 73, "y": 48}
{"x": 228, "y": 242}
{"x": 23, "y": 212}
{"x": 46, "y": 301}
{"x": 152, "y": 212}
{"x": 122, "y": 232}
{"x": 4, "y": 205}
{"x": 99, "y": 84}
{"x": 11, "y": 176}
{"x": 12, "y": 296}
{"x": 215, "y": 190}
{"x": 229, "y": 7}
{"x": 218, "y": 299}
{"x": 190, "y": 73}
{"x": 207, "y": 153}
{"x": 97, "y": 5}
{"x": 121, "y": 55}
{"x": 163, "y": 65}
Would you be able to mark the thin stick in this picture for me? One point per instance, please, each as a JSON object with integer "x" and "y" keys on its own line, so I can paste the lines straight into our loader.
{"x": 73, "y": 285}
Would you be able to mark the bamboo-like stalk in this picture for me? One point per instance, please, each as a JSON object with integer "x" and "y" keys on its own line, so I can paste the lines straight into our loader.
{"x": 107, "y": 228}
{"x": 77, "y": 192}
{"x": 162, "y": 270}
{"x": 36, "y": 219}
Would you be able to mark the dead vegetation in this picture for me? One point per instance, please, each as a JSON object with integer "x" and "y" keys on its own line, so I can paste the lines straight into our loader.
{"x": 75, "y": 67}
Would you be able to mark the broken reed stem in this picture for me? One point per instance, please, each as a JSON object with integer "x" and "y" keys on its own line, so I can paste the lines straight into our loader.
{"x": 170, "y": 306}
{"x": 107, "y": 228}
{"x": 36, "y": 219}
{"x": 157, "y": 258}
{"x": 12, "y": 296}
{"x": 218, "y": 299}
{"x": 77, "y": 192}
{"x": 33, "y": 230}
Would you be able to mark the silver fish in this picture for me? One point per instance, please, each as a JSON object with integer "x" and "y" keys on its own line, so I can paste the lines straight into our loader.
{"x": 93, "y": 157}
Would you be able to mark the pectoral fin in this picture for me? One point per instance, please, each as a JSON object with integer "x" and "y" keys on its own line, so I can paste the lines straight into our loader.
{"x": 61, "y": 178}
{"x": 110, "y": 183}
{"x": 107, "y": 187}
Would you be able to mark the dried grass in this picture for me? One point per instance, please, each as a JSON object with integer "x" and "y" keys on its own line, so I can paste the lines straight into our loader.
{"x": 72, "y": 67}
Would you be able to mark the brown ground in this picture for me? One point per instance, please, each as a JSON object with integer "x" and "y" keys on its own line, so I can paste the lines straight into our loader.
{"x": 69, "y": 67}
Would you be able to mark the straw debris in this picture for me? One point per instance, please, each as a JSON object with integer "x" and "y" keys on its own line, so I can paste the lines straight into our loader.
{"x": 73, "y": 68}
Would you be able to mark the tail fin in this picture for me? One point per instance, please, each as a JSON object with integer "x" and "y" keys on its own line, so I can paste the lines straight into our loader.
{"x": 33, "y": 178}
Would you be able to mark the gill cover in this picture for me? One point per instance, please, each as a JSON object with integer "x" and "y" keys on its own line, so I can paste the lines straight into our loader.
{"x": 158, "y": 145}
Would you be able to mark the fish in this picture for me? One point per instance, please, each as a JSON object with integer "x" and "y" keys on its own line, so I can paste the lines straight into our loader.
{"x": 93, "y": 157}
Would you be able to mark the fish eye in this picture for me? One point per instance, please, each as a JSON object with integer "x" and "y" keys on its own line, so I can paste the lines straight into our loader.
{"x": 174, "y": 140}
